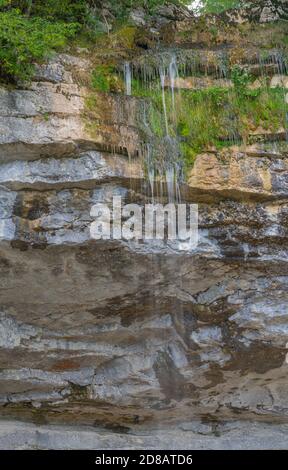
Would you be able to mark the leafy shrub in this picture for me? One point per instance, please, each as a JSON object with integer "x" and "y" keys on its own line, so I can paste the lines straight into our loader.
{"x": 217, "y": 6}
{"x": 62, "y": 10}
{"x": 100, "y": 79}
{"x": 105, "y": 79}
{"x": 241, "y": 79}
{"x": 122, "y": 8}
{"x": 31, "y": 29}
{"x": 215, "y": 116}
{"x": 25, "y": 40}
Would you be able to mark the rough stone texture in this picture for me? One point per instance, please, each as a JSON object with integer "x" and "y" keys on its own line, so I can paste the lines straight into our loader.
{"x": 190, "y": 83}
{"x": 127, "y": 337}
{"x": 161, "y": 16}
{"x": 192, "y": 436}
{"x": 247, "y": 171}
{"x": 195, "y": 83}
{"x": 58, "y": 118}
{"x": 264, "y": 11}
{"x": 88, "y": 168}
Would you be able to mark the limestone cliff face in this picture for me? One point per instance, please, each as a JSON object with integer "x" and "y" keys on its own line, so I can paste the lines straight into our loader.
{"x": 127, "y": 336}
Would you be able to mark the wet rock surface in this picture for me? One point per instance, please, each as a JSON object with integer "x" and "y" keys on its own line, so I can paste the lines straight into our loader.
{"x": 197, "y": 436}
{"x": 123, "y": 336}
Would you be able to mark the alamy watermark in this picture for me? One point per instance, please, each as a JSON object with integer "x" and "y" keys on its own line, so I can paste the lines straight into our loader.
{"x": 148, "y": 222}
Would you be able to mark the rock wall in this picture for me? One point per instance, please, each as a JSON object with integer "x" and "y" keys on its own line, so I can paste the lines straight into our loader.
{"x": 267, "y": 10}
{"x": 133, "y": 337}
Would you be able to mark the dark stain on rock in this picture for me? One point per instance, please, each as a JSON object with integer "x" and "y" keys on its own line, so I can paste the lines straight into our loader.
{"x": 114, "y": 427}
{"x": 30, "y": 206}
{"x": 78, "y": 392}
{"x": 41, "y": 245}
{"x": 20, "y": 245}
{"x": 259, "y": 358}
{"x": 214, "y": 375}
{"x": 4, "y": 264}
{"x": 65, "y": 364}
{"x": 172, "y": 383}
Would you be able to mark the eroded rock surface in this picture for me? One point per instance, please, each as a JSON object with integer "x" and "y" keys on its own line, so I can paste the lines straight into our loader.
{"x": 128, "y": 336}
{"x": 199, "y": 436}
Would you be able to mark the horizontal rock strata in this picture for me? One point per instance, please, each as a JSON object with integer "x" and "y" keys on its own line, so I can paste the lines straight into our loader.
{"x": 125, "y": 337}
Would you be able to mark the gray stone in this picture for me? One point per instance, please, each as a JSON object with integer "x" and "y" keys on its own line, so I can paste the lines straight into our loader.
{"x": 138, "y": 344}
{"x": 250, "y": 436}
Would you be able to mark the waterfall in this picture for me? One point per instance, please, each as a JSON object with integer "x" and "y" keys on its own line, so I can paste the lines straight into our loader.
{"x": 170, "y": 175}
{"x": 128, "y": 78}
{"x": 173, "y": 75}
{"x": 150, "y": 169}
{"x": 163, "y": 160}
{"x": 151, "y": 176}
{"x": 162, "y": 79}
{"x": 245, "y": 251}
{"x": 145, "y": 120}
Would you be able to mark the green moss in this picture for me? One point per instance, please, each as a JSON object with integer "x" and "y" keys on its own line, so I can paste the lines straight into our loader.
{"x": 189, "y": 154}
{"x": 218, "y": 6}
{"x": 105, "y": 79}
{"x": 91, "y": 113}
{"x": 100, "y": 79}
{"x": 23, "y": 41}
{"x": 124, "y": 37}
{"x": 91, "y": 103}
{"x": 215, "y": 117}
{"x": 121, "y": 39}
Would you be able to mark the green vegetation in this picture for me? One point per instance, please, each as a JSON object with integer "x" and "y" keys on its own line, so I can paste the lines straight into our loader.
{"x": 23, "y": 41}
{"x": 106, "y": 80}
{"x": 101, "y": 78}
{"x": 30, "y": 30}
{"x": 122, "y": 8}
{"x": 216, "y": 117}
{"x": 241, "y": 79}
{"x": 217, "y": 6}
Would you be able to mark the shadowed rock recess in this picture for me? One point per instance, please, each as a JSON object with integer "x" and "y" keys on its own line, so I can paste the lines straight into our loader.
{"x": 138, "y": 344}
